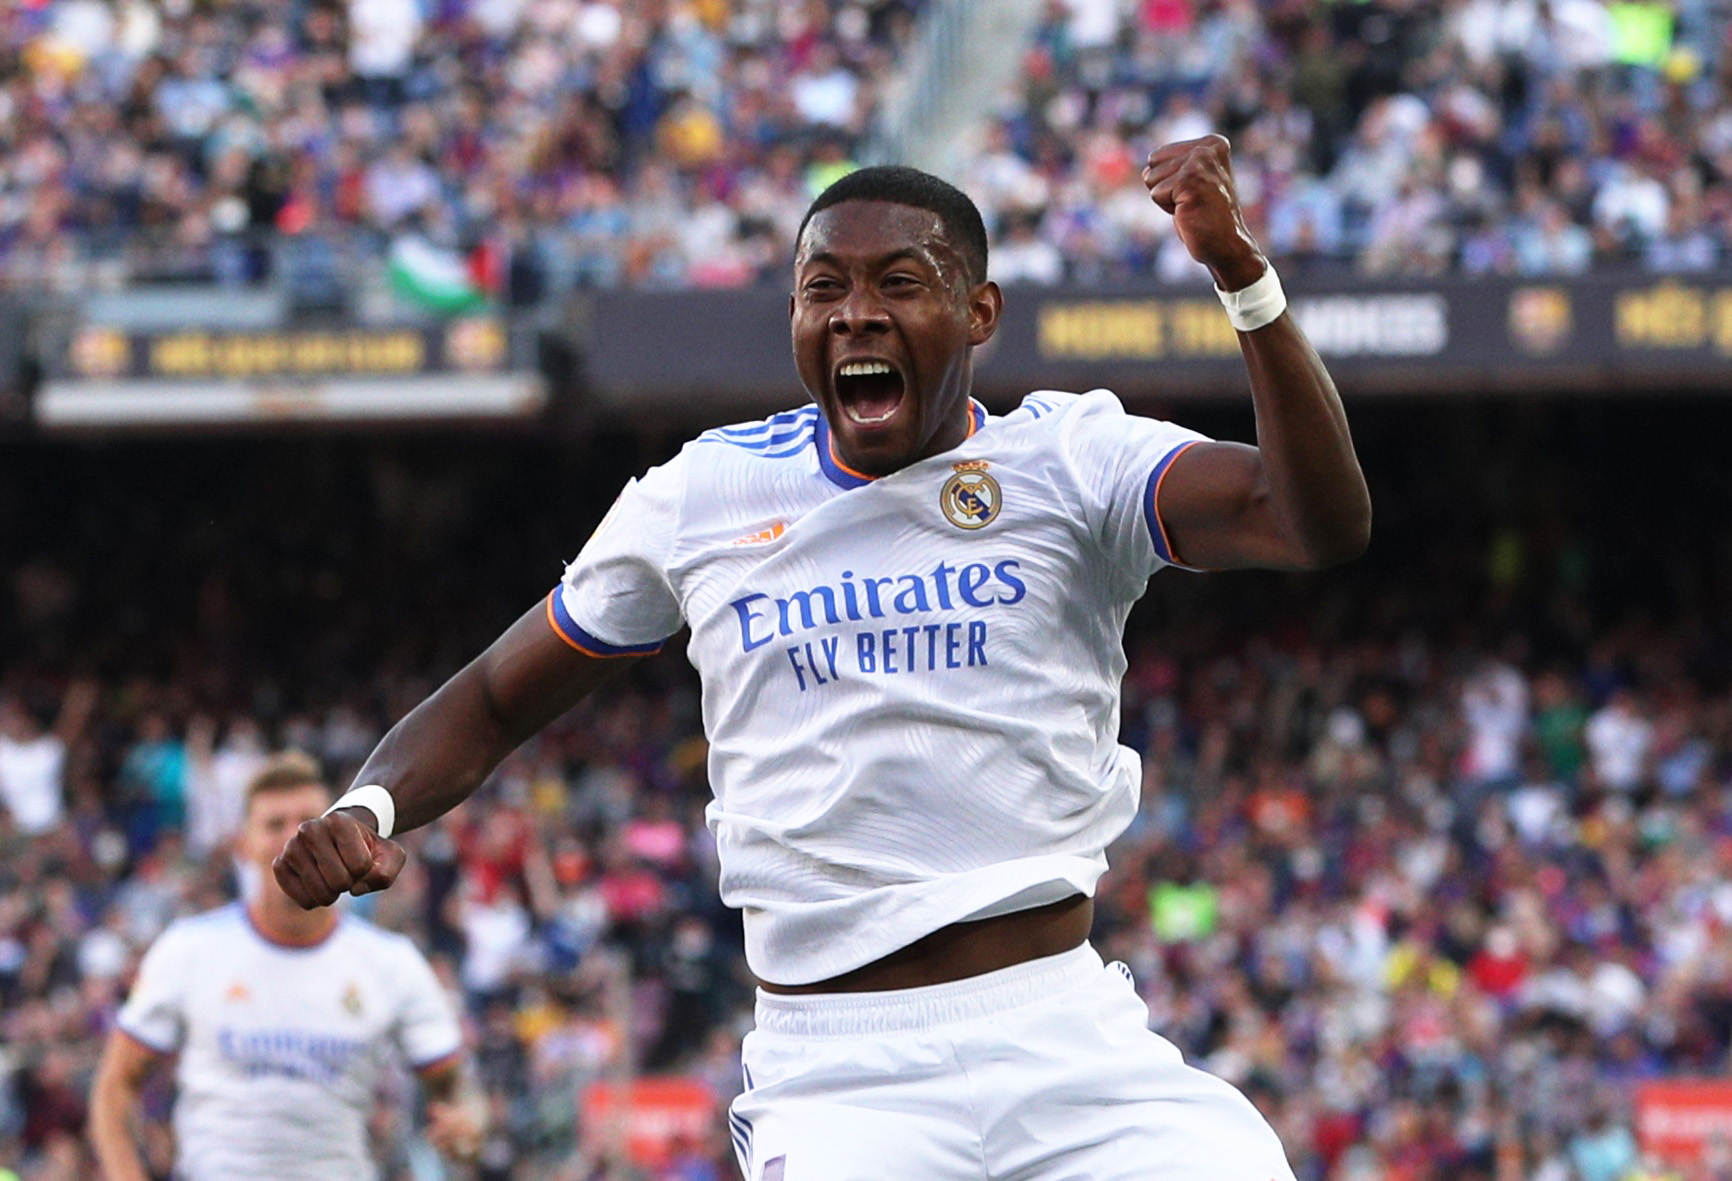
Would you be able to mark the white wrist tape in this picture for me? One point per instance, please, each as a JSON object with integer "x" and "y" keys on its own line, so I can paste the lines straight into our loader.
{"x": 1250, "y": 308}
{"x": 376, "y": 800}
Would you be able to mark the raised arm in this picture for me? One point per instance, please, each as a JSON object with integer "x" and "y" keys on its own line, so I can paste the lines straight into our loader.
{"x": 1297, "y": 500}
{"x": 441, "y": 752}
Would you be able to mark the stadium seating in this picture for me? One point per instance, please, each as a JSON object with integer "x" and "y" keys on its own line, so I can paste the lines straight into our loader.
{"x": 594, "y": 144}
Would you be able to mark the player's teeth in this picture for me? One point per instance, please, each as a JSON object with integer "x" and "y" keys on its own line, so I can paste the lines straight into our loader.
{"x": 865, "y": 368}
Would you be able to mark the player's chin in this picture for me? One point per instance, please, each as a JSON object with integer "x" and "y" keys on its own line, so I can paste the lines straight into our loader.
{"x": 879, "y": 448}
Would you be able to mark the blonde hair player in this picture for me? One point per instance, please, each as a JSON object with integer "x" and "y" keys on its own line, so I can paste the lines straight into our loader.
{"x": 908, "y": 617}
{"x": 281, "y": 1021}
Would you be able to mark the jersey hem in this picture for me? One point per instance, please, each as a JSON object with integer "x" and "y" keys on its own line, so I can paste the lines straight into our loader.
{"x": 894, "y": 916}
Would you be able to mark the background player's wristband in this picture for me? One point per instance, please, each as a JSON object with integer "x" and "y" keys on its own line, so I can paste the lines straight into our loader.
{"x": 1250, "y": 308}
{"x": 376, "y": 800}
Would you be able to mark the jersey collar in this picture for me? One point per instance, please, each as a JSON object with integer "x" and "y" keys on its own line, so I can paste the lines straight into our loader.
{"x": 281, "y": 944}
{"x": 843, "y": 476}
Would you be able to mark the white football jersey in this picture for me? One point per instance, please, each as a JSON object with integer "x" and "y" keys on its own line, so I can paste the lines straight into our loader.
{"x": 910, "y": 684}
{"x": 281, "y": 1048}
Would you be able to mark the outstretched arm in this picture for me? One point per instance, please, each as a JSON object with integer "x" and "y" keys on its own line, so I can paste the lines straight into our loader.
{"x": 441, "y": 752}
{"x": 1297, "y": 500}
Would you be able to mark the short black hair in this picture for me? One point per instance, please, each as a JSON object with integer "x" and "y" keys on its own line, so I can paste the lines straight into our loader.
{"x": 901, "y": 185}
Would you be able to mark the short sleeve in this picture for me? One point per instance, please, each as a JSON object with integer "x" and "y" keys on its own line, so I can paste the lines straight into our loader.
{"x": 616, "y": 599}
{"x": 155, "y": 1013}
{"x": 1120, "y": 460}
{"x": 427, "y": 1031}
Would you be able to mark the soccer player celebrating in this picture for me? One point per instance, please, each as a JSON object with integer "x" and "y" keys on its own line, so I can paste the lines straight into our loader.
{"x": 907, "y": 615}
{"x": 282, "y": 1019}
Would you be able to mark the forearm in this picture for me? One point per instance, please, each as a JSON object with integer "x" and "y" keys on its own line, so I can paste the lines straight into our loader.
{"x": 443, "y": 750}
{"x": 1310, "y": 473}
{"x": 436, "y": 757}
{"x": 1297, "y": 499}
{"x": 112, "y": 1105}
{"x": 447, "y": 746}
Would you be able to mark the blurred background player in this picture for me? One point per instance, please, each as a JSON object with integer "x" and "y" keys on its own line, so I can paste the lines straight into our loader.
{"x": 282, "y": 1022}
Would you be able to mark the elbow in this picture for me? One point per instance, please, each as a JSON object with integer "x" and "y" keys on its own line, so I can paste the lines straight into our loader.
{"x": 1347, "y": 540}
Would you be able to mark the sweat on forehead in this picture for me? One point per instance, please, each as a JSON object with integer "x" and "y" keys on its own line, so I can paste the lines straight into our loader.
{"x": 875, "y": 227}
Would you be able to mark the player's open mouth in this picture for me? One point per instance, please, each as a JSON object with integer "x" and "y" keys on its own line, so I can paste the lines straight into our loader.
{"x": 869, "y": 392}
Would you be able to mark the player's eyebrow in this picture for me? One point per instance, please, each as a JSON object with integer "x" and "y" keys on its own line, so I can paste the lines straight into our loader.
{"x": 828, "y": 258}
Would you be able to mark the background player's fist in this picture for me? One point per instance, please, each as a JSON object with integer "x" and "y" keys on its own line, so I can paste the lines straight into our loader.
{"x": 336, "y": 855}
{"x": 1193, "y": 181}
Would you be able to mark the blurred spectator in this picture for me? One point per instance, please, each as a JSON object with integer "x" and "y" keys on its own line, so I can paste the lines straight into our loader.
{"x": 1494, "y": 703}
{"x": 1618, "y": 737}
{"x": 33, "y": 758}
{"x": 1025, "y": 257}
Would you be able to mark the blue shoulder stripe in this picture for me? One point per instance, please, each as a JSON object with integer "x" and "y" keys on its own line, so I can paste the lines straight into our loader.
{"x": 775, "y": 437}
{"x": 1038, "y": 406}
{"x": 772, "y": 448}
{"x": 770, "y": 424}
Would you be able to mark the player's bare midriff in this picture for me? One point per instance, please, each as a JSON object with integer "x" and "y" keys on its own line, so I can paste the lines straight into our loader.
{"x": 962, "y": 950}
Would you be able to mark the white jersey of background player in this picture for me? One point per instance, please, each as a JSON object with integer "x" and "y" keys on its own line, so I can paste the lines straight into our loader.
{"x": 906, "y": 614}
{"x": 281, "y": 1036}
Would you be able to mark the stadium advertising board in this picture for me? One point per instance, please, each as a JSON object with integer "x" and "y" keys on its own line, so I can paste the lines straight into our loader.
{"x": 1444, "y": 336}
{"x": 464, "y": 368}
{"x": 655, "y": 1117}
{"x": 1677, "y": 1119}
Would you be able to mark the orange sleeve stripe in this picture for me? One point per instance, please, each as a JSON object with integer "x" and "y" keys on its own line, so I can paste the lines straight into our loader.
{"x": 1163, "y": 543}
{"x": 557, "y": 630}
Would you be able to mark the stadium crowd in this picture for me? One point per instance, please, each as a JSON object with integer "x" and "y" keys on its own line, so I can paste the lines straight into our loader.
{"x": 526, "y": 147}
{"x": 550, "y": 143}
{"x": 1433, "y": 857}
{"x": 1539, "y": 137}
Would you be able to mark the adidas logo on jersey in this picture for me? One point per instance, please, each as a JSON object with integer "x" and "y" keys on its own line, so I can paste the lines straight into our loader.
{"x": 763, "y": 536}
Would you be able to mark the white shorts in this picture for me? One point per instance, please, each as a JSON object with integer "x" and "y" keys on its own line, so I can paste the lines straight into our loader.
{"x": 1046, "y": 1071}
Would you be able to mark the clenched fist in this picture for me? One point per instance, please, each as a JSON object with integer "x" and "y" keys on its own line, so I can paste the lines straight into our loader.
{"x": 336, "y": 855}
{"x": 1193, "y": 181}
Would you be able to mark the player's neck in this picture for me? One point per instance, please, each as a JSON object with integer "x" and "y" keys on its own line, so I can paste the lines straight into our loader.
{"x": 278, "y": 920}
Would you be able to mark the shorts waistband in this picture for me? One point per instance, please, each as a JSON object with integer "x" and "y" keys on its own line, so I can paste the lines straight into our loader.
{"x": 906, "y": 1010}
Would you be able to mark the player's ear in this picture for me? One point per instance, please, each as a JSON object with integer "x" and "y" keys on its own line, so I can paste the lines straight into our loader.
{"x": 985, "y": 305}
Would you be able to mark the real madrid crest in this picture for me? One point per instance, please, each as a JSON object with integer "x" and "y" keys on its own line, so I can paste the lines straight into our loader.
{"x": 971, "y": 498}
